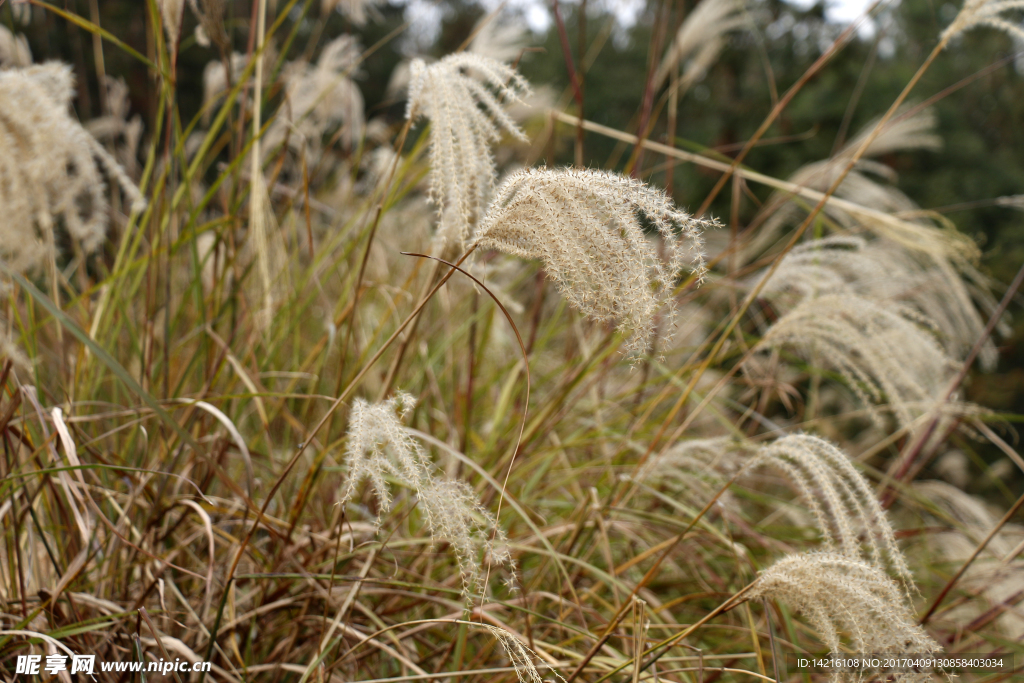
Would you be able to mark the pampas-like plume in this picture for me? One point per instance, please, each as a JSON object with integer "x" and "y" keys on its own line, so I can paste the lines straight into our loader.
{"x": 320, "y": 97}
{"x": 211, "y": 22}
{"x": 170, "y": 12}
{"x": 379, "y": 447}
{"x": 976, "y": 13}
{"x": 48, "y": 168}
{"x": 837, "y": 592}
{"x": 882, "y": 352}
{"x": 499, "y": 40}
{"x": 121, "y": 133}
{"x": 843, "y": 503}
{"x": 997, "y": 572}
{"x": 518, "y": 653}
{"x": 215, "y": 77}
{"x": 700, "y": 39}
{"x": 10, "y": 351}
{"x": 893, "y": 216}
{"x": 14, "y": 50}
{"x": 466, "y": 117}
{"x": 884, "y": 272}
{"x": 697, "y": 465}
{"x": 902, "y": 133}
{"x": 584, "y": 225}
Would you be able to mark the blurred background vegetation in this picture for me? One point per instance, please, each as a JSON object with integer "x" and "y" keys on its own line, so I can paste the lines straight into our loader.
{"x": 976, "y": 88}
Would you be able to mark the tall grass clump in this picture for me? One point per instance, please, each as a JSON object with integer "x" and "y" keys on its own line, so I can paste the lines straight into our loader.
{"x": 314, "y": 382}
{"x": 51, "y": 168}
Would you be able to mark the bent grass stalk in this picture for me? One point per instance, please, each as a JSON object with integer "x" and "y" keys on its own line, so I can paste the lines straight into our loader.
{"x": 526, "y": 399}
{"x": 907, "y": 460}
{"x": 333, "y": 407}
{"x": 794, "y": 238}
{"x": 648, "y": 576}
{"x": 665, "y": 645}
{"x": 588, "y": 558}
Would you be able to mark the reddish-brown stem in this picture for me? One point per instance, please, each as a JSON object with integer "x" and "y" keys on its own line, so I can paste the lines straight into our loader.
{"x": 574, "y": 76}
{"x": 904, "y": 466}
{"x": 636, "y": 160}
{"x": 563, "y": 39}
{"x": 970, "y": 560}
{"x": 330, "y": 411}
{"x": 817, "y": 66}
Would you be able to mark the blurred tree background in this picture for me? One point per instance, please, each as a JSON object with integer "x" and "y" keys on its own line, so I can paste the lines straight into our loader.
{"x": 976, "y": 85}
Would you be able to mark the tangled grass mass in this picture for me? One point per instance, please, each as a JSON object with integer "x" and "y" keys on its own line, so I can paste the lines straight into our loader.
{"x": 596, "y": 436}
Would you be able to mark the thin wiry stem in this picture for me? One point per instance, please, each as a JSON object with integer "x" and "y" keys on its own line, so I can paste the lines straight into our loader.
{"x": 797, "y": 234}
{"x": 970, "y": 560}
{"x": 840, "y": 42}
{"x": 904, "y": 465}
{"x": 333, "y": 407}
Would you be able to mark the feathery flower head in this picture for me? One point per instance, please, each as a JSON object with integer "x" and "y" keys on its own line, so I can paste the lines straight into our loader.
{"x": 701, "y": 38}
{"x": 844, "y": 504}
{"x": 21, "y": 12}
{"x": 14, "y": 50}
{"x": 584, "y": 225}
{"x": 119, "y": 131}
{"x": 10, "y": 351}
{"x": 319, "y": 97}
{"x": 903, "y": 133}
{"x": 518, "y": 654}
{"x": 976, "y": 13}
{"x": 889, "y": 274}
{"x": 216, "y": 77}
{"x": 871, "y": 203}
{"x": 48, "y": 169}
{"x": 839, "y": 593}
{"x": 500, "y": 40}
{"x": 211, "y": 22}
{"x": 466, "y": 117}
{"x": 882, "y": 351}
{"x": 699, "y": 465}
{"x": 379, "y": 447}
{"x": 170, "y": 12}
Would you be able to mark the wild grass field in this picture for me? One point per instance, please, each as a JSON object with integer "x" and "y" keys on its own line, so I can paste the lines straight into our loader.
{"x": 317, "y": 390}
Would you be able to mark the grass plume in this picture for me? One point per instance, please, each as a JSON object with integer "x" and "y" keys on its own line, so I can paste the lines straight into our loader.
{"x": 584, "y": 226}
{"x": 838, "y": 594}
{"x": 379, "y": 449}
{"x": 885, "y": 354}
{"x": 466, "y": 118}
{"x": 48, "y": 168}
